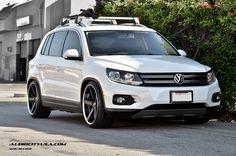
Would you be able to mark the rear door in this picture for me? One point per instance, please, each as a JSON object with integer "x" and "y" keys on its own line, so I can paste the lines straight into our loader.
{"x": 50, "y": 64}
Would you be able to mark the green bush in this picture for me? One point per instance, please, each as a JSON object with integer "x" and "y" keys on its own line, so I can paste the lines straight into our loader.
{"x": 207, "y": 31}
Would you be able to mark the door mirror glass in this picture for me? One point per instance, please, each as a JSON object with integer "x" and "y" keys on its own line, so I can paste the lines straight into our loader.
{"x": 182, "y": 52}
{"x": 72, "y": 54}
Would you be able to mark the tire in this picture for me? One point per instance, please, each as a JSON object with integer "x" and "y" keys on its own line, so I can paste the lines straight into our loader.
{"x": 196, "y": 120}
{"x": 93, "y": 107}
{"x": 34, "y": 103}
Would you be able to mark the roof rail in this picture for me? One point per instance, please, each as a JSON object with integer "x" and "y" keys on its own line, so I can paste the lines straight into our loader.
{"x": 83, "y": 21}
{"x": 114, "y": 20}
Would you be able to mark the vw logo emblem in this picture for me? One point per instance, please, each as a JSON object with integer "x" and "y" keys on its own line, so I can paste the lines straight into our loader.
{"x": 179, "y": 78}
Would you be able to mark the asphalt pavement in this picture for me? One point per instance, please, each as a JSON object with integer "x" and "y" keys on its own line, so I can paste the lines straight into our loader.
{"x": 137, "y": 137}
{"x": 13, "y": 92}
{"x": 66, "y": 134}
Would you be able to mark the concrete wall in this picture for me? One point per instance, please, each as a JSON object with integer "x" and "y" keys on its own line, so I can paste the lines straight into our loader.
{"x": 55, "y": 10}
{"x": 2, "y": 25}
{"x": 8, "y": 24}
{"x": 1, "y": 61}
{"x": 34, "y": 9}
{"x": 20, "y": 42}
{"x": 8, "y": 55}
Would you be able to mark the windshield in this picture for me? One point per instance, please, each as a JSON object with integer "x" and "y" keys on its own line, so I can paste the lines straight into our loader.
{"x": 127, "y": 43}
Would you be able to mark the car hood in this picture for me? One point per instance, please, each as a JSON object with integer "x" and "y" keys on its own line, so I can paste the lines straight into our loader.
{"x": 151, "y": 63}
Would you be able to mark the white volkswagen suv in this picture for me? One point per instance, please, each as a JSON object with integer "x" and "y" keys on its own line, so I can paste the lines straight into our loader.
{"x": 113, "y": 66}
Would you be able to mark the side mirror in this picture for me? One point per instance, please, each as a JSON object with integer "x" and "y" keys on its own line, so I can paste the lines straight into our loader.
{"x": 182, "y": 52}
{"x": 72, "y": 54}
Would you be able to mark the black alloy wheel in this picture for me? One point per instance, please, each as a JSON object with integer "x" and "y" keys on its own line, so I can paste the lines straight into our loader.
{"x": 35, "y": 107}
{"x": 93, "y": 107}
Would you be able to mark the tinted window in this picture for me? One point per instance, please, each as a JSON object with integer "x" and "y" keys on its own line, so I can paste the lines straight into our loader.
{"x": 72, "y": 41}
{"x": 128, "y": 43}
{"x": 47, "y": 45}
{"x": 57, "y": 43}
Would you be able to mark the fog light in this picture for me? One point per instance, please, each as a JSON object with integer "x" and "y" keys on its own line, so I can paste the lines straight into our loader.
{"x": 119, "y": 99}
{"x": 216, "y": 97}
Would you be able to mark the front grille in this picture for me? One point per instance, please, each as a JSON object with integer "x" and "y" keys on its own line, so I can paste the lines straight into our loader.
{"x": 167, "y": 79}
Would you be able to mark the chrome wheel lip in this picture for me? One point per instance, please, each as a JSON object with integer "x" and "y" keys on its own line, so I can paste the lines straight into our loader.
{"x": 35, "y": 99}
{"x": 95, "y": 106}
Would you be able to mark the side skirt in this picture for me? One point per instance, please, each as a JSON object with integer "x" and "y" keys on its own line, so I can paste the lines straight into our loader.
{"x": 61, "y": 104}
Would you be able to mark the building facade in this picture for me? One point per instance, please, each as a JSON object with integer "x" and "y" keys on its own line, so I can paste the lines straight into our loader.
{"x": 22, "y": 28}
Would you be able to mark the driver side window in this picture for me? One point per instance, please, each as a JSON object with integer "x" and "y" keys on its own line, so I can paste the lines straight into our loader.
{"x": 72, "y": 42}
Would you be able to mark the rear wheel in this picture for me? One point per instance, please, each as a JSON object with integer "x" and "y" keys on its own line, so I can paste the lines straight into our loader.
{"x": 34, "y": 103}
{"x": 93, "y": 107}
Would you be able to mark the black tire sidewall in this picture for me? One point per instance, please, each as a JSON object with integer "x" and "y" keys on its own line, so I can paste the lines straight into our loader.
{"x": 34, "y": 114}
{"x": 101, "y": 114}
{"x": 40, "y": 112}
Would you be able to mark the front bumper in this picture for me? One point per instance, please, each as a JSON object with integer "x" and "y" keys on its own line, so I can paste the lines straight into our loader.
{"x": 147, "y": 96}
{"x": 171, "y": 113}
{"x": 209, "y": 112}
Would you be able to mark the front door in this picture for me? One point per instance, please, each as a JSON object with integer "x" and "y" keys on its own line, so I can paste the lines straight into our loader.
{"x": 69, "y": 74}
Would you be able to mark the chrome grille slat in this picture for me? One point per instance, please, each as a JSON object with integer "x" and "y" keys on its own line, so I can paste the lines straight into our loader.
{"x": 160, "y": 81}
{"x": 193, "y": 76}
{"x": 192, "y": 81}
{"x": 156, "y": 76}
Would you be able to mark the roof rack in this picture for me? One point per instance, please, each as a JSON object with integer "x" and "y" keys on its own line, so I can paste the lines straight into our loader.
{"x": 83, "y": 21}
{"x": 89, "y": 17}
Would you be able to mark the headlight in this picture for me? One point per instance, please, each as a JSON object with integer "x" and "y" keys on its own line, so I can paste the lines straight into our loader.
{"x": 124, "y": 77}
{"x": 211, "y": 77}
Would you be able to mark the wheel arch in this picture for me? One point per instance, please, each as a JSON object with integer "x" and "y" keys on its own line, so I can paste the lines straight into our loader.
{"x": 32, "y": 79}
{"x": 85, "y": 82}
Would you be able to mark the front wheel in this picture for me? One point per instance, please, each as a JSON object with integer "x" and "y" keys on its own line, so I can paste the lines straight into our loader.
{"x": 93, "y": 107}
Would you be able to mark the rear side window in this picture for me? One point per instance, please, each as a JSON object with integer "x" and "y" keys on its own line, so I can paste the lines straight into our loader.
{"x": 72, "y": 41}
{"x": 47, "y": 44}
{"x": 57, "y": 43}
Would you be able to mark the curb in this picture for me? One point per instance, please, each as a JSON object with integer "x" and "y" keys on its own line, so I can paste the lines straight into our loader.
{"x": 17, "y": 95}
{"x": 12, "y": 102}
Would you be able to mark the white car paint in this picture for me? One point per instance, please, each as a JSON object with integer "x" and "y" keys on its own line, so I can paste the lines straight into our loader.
{"x": 62, "y": 79}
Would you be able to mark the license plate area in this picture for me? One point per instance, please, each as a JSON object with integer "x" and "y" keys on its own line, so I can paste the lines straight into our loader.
{"x": 181, "y": 96}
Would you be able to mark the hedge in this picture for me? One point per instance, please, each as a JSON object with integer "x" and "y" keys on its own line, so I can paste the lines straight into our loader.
{"x": 206, "y": 30}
